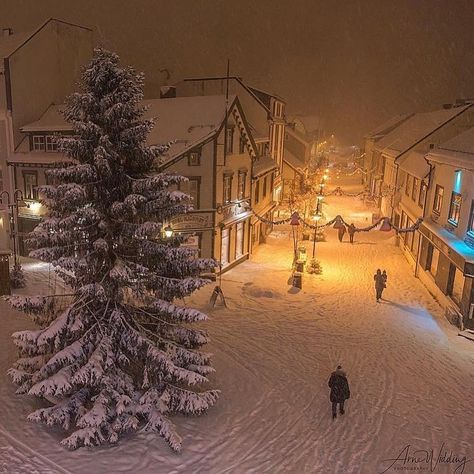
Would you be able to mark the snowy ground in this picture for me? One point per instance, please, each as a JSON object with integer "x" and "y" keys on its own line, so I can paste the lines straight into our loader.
{"x": 411, "y": 376}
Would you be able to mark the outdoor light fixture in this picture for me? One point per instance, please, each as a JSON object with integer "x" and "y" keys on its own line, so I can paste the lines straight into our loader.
{"x": 168, "y": 232}
{"x": 317, "y": 217}
{"x": 319, "y": 197}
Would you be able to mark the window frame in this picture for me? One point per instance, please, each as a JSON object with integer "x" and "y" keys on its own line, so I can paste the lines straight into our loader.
{"x": 197, "y": 155}
{"x": 422, "y": 194}
{"x": 438, "y": 199}
{"x": 415, "y": 189}
{"x": 242, "y": 144}
{"x": 408, "y": 185}
{"x": 227, "y": 189}
{"x": 229, "y": 140}
{"x": 35, "y": 139}
{"x": 453, "y": 216}
{"x": 33, "y": 196}
{"x": 241, "y": 184}
{"x": 470, "y": 225}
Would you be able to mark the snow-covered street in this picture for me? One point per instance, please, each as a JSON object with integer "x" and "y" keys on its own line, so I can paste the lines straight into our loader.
{"x": 411, "y": 376}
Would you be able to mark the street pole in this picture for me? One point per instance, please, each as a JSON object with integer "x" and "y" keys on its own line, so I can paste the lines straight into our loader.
{"x": 314, "y": 239}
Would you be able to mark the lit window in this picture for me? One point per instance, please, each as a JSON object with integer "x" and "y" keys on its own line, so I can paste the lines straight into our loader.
{"x": 38, "y": 142}
{"x": 438, "y": 199}
{"x": 192, "y": 187}
{"x": 454, "y": 209}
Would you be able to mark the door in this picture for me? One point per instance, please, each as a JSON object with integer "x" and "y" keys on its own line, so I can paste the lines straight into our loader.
{"x": 239, "y": 240}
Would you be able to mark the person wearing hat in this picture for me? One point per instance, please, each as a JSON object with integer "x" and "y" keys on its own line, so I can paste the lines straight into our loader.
{"x": 339, "y": 391}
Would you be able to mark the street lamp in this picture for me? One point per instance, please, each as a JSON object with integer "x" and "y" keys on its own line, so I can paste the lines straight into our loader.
{"x": 168, "y": 231}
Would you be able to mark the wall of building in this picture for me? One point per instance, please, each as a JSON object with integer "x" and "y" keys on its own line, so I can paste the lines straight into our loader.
{"x": 44, "y": 70}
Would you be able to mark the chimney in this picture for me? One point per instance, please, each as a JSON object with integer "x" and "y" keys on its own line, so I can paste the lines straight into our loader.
{"x": 7, "y": 31}
{"x": 167, "y": 92}
{"x": 447, "y": 106}
{"x": 432, "y": 145}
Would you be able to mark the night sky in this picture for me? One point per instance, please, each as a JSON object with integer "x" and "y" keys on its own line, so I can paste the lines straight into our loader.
{"x": 354, "y": 63}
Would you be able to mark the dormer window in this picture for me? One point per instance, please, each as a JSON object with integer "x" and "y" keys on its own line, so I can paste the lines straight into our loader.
{"x": 44, "y": 143}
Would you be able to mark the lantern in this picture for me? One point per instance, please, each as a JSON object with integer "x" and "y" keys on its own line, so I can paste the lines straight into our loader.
{"x": 386, "y": 226}
{"x": 168, "y": 231}
{"x": 295, "y": 219}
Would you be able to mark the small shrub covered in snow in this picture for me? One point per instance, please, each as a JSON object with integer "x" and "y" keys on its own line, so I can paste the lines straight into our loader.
{"x": 121, "y": 355}
{"x": 17, "y": 277}
{"x": 314, "y": 266}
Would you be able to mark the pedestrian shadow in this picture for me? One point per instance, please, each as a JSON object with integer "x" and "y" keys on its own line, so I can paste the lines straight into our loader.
{"x": 293, "y": 290}
{"x": 404, "y": 307}
{"x": 357, "y": 242}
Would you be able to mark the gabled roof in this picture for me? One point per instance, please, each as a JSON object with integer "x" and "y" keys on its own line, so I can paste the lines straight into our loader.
{"x": 417, "y": 128}
{"x": 12, "y": 43}
{"x": 387, "y": 126}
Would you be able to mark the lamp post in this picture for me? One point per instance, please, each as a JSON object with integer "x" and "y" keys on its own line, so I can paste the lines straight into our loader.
{"x": 13, "y": 210}
{"x": 168, "y": 231}
{"x": 316, "y": 218}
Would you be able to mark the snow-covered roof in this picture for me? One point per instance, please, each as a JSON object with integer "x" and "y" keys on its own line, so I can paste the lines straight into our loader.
{"x": 185, "y": 121}
{"x": 51, "y": 121}
{"x": 463, "y": 143}
{"x": 310, "y": 123}
{"x": 417, "y": 128}
{"x": 387, "y": 126}
{"x": 263, "y": 165}
{"x": 415, "y": 164}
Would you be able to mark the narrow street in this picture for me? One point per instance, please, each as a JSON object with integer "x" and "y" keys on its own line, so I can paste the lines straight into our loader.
{"x": 274, "y": 348}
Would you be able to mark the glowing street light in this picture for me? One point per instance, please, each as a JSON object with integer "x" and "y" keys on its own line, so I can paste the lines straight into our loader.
{"x": 168, "y": 231}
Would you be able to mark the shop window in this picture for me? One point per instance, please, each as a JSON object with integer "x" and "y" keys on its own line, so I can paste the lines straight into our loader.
{"x": 454, "y": 209}
{"x": 438, "y": 199}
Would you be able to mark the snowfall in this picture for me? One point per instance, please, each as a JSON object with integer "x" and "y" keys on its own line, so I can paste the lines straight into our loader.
{"x": 274, "y": 346}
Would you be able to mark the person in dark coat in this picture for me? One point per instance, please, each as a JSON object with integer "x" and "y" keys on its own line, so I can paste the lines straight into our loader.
{"x": 341, "y": 231}
{"x": 351, "y": 230}
{"x": 339, "y": 390}
{"x": 384, "y": 277}
{"x": 379, "y": 284}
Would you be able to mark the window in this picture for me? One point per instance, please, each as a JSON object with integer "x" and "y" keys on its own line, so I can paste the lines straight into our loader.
{"x": 39, "y": 143}
{"x": 227, "y": 188}
{"x": 257, "y": 191}
{"x": 229, "y": 140}
{"x": 241, "y": 185}
{"x": 51, "y": 143}
{"x": 242, "y": 144}
{"x": 408, "y": 185}
{"x": 422, "y": 196}
{"x": 454, "y": 208}
{"x": 192, "y": 187}
{"x": 30, "y": 179}
{"x": 414, "y": 192}
{"x": 194, "y": 158}
{"x": 470, "y": 227}
{"x": 265, "y": 187}
{"x": 438, "y": 199}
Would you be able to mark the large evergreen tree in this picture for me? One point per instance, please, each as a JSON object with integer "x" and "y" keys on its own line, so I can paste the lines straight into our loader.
{"x": 121, "y": 356}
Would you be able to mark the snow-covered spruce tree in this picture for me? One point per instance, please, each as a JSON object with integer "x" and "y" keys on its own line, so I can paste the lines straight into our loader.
{"x": 121, "y": 356}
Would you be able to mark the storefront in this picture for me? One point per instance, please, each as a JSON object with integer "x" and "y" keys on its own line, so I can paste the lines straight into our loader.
{"x": 448, "y": 263}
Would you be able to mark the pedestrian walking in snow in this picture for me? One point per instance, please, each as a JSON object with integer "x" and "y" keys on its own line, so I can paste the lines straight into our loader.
{"x": 339, "y": 390}
{"x": 341, "y": 231}
{"x": 379, "y": 284}
{"x": 351, "y": 230}
{"x": 384, "y": 276}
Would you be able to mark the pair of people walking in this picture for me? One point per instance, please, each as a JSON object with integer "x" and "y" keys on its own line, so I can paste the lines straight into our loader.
{"x": 351, "y": 230}
{"x": 339, "y": 391}
{"x": 380, "y": 279}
